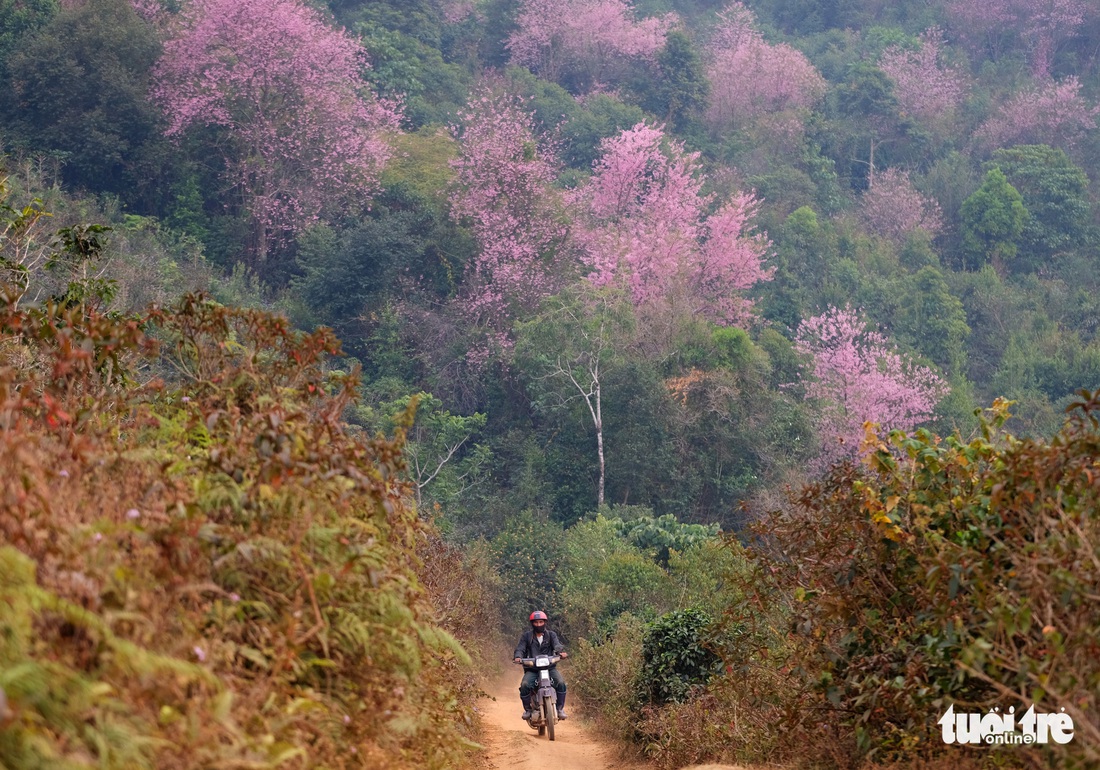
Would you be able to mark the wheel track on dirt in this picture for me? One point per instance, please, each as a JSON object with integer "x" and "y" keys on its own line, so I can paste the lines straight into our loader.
{"x": 512, "y": 745}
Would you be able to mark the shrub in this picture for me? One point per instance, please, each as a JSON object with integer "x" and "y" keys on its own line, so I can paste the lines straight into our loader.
{"x": 527, "y": 554}
{"x": 662, "y": 535}
{"x": 944, "y": 572}
{"x": 950, "y": 572}
{"x": 603, "y": 575}
{"x": 209, "y": 570}
{"x": 604, "y": 676}
{"x": 677, "y": 655}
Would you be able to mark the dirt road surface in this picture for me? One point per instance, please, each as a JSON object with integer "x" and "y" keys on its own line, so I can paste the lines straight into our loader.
{"x": 512, "y": 745}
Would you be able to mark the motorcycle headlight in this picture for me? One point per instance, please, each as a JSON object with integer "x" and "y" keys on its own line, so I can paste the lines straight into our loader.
{"x": 542, "y": 661}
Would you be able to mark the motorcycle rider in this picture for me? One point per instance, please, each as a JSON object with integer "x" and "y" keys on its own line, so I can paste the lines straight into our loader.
{"x": 539, "y": 640}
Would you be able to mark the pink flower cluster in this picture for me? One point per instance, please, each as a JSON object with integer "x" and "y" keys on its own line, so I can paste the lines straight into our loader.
{"x": 925, "y": 88}
{"x": 149, "y": 10}
{"x": 750, "y": 77}
{"x": 893, "y": 208}
{"x": 1051, "y": 113}
{"x": 587, "y": 35}
{"x": 644, "y": 221}
{"x": 302, "y": 134}
{"x": 504, "y": 192}
{"x": 857, "y": 376}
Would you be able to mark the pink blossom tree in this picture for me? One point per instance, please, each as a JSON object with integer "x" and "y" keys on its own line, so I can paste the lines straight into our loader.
{"x": 150, "y": 10}
{"x": 301, "y": 133}
{"x": 1042, "y": 25}
{"x": 504, "y": 192}
{"x": 893, "y": 208}
{"x": 925, "y": 88}
{"x": 645, "y": 223}
{"x": 856, "y": 377}
{"x": 1051, "y": 113}
{"x": 457, "y": 11}
{"x": 589, "y": 37}
{"x": 750, "y": 77}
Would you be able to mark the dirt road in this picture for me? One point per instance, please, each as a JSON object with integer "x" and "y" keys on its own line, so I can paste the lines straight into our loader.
{"x": 512, "y": 745}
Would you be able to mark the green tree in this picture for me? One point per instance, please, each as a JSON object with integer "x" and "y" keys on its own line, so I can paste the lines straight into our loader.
{"x": 342, "y": 273}
{"x": 418, "y": 19}
{"x": 865, "y": 119}
{"x": 932, "y": 320}
{"x": 603, "y": 115}
{"x": 808, "y": 17}
{"x": 405, "y": 67}
{"x": 442, "y": 460}
{"x": 528, "y": 553}
{"x": 993, "y": 219}
{"x": 567, "y": 351}
{"x": 868, "y": 92}
{"x": 680, "y": 87}
{"x": 80, "y": 90}
{"x": 19, "y": 18}
{"x": 604, "y": 575}
{"x": 662, "y": 535}
{"x": 803, "y": 239}
{"x": 346, "y": 276}
{"x": 1055, "y": 193}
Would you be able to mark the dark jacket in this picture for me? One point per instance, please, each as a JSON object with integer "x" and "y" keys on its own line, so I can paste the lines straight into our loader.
{"x": 529, "y": 648}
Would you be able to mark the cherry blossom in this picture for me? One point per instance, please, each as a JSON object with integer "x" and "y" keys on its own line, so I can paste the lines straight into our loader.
{"x": 856, "y": 377}
{"x": 925, "y": 88}
{"x": 504, "y": 193}
{"x": 302, "y": 134}
{"x": 1050, "y": 113}
{"x": 750, "y": 77}
{"x": 645, "y": 222}
{"x": 591, "y": 36}
{"x": 893, "y": 208}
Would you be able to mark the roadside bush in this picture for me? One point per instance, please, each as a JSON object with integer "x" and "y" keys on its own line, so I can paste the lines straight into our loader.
{"x": 711, "y": 574}
{"x": 677, "y": 656}
{"x": 950, "y": 572}
{"x": 603, "y": 575}
{"x": 945, "y": 572}
{"x": 604, "y": 673}
{"x": 527, "y": 553}
{"x": 205, "y": 568}
{"x": 464, "y": 589}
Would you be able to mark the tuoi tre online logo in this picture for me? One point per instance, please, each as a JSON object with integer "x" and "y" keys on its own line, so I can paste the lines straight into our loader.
{"x": 996, "y": 728}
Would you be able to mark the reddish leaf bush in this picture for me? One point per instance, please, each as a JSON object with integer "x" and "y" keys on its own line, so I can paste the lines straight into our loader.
{"x": 945, "y": 572}
{"x": 951, "y": 573}
{"x": 202, "y": 567}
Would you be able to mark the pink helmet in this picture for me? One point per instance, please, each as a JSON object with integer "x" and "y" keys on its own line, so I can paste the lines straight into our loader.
{"x": 537, "y": 615}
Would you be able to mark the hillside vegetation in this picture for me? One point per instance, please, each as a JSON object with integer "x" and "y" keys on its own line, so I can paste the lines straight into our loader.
{"x": 741, "y": 337}
{"x": 202, "y": 566}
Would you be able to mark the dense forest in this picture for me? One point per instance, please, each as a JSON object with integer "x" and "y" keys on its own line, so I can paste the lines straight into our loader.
{"x": 753, "y": 341}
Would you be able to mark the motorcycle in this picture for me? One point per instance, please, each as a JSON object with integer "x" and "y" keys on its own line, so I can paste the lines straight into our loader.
{"x": 544, "y": 712}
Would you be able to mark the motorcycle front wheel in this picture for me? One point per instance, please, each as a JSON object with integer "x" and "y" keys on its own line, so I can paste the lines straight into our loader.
{"x": 550, "y": 715}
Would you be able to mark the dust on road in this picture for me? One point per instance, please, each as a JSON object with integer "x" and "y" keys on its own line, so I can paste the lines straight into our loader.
{"x": 512, "y": 745}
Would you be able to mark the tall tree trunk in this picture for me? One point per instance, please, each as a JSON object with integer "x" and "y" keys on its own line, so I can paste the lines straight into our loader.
{"x": 599, "y": 445}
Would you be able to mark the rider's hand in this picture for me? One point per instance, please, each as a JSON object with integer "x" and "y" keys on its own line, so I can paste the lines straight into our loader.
{"x": 517, "y": 660}
{"x": 564, "y": 654}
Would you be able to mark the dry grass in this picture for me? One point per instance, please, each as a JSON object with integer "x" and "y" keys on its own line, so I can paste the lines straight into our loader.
{"x": 211, "y": 572}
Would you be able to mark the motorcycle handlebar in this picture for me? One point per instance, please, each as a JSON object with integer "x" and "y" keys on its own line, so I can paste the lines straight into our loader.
{"x": 530, "y": 662}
